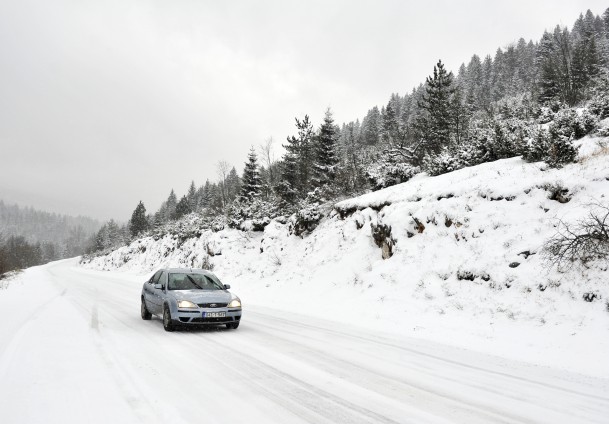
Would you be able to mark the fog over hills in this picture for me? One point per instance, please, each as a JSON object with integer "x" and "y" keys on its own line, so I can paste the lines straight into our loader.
{"x": 31, "y": 237}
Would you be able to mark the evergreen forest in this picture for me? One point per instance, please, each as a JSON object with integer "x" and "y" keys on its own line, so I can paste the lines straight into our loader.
{"x": 532, "y": 99}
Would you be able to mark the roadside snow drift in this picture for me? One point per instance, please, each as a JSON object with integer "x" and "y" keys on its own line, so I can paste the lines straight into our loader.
{"x": 455, "y": 258}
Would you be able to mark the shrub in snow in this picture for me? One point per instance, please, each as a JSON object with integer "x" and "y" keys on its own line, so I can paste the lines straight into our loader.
{"x": 321, "y": 194}
{"x": 206, "y": 263}
{"x": 599, "y": 106}
{"x": 443, "y": 162}
{"x": 256, "y": 213}
{"x": 488, "y": 141}
{"x": 586, "y": 240}
{"x": 556, "y": 191}
{"x": 305, "y": 220}
{"x": 554, "y": 147}
{"x": 586, "y": 122}
{"x": 478, "y": 149}
{"x": 561, "y": 151}
{"x": 281, "y": 219}
{"x": 569, "y": 124}
{"x": 546, "y": 114}
{"x": 381, "y": 234}
{"x": 590, "y": 296}
{"x": 509, "y": 138}
{"x": 218, "y": 224}
{"x": 386, "y": 174}
{"x": 603, "y": 132}
{"x": 538, "y": 146}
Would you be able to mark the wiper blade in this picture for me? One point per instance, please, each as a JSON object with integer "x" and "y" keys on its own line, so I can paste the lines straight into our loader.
{"x": 193, "y": 281}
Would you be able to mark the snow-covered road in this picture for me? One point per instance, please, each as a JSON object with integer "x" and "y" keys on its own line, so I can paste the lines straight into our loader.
{"x": 74, "y": 349}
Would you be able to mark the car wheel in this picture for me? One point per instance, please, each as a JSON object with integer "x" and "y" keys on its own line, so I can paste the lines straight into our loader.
{"x": 167, "y": 323}
{"x": 232, "y": 326}
{"x": 146, "y": 315}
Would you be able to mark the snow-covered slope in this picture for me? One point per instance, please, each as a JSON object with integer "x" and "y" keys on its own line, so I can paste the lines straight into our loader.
{"x": 463, "y": 261}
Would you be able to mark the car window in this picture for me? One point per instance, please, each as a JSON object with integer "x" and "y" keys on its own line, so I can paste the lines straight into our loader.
{"x": 163, "y": 279}
{"x": 155, "y": 277}
{"x": 191, "y": 281}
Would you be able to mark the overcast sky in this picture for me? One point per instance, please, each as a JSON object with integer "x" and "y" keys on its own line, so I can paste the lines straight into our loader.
{"x": 105, "y": 103}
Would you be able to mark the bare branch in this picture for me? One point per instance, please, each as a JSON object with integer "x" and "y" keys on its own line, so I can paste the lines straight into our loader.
{"x": 586, "y": 240}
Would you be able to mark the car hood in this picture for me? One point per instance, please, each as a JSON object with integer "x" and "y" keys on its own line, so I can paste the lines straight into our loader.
{"x": 203, "y": 296}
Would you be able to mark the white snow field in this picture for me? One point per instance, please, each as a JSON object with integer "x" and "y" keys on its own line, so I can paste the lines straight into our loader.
{"x": 442, "y": 331}
{"x": 450, "y": 283}
{"x": 73, "y": 349}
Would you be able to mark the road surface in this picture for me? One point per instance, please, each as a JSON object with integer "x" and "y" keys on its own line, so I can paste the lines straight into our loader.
{"x": 73, "y": 348}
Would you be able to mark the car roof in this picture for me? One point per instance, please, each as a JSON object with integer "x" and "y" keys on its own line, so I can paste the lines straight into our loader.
{"x": 186, "y": 270}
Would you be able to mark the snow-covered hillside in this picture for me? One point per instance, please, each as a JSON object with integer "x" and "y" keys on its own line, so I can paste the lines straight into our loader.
{"x": 455, "y": 258}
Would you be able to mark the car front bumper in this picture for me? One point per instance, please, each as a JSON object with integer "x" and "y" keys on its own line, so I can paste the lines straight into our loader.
{"x": 197, "y": 316}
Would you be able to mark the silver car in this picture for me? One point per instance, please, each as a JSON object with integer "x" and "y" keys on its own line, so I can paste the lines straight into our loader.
{"x": 183, "y": 296}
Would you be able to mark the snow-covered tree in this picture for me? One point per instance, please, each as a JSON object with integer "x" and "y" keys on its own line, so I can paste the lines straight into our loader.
{"x": 170, "y": 207}
{"x": 325, "y": 155}
{"x": 437, "y": 123}
{"x": 182, "y": 207}
{"x": 192, "y": 196}
{"x": 251, "y": 185}
{"x": 233, "y": 185}
{"x": 297, "y": 161}
{"x": 138, "y": 223}
{"x": 371, "y": 127}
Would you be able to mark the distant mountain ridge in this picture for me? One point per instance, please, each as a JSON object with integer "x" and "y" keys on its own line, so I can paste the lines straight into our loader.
{"x": 43, "y": 227}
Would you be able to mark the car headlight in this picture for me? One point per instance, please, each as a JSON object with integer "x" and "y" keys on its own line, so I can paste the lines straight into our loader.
{"x": 235, "y": 303}
{"x": 186, "y": 304}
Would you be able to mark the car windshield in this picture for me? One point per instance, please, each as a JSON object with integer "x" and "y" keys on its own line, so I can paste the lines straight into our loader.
{"x": 191, "y": 281}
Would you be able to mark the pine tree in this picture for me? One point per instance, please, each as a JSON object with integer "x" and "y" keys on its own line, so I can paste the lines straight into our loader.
{"x": 206, "y": 196}
{"x": 113, "y": 235}
{"x": 199, "y": 198}
{"x": 499, "y": 76}
{"x": 555, "y": 60}
{"x": 138, "y": 223}
{"x": 287, "y": 187}
{"x": 233, "y": 185}
{"x": 473, "y": 83}
{"x": 486, "y": 87}
{"x": 436, "y": 126}
{"x": 353, "y": 160}
{"x": 371, "y": 127}
{"x": 182, "y": 208}
{"x": 160, "y": 216}
{"x": 460, "y": 115}
{"x": 296, "y": 168}
{"x": 192, "y": 196}
{"x": 216, "y": 197}
{"x": 170, "y": 207}
{"x": 549, "y": 88}
{"x": 251, "y": 186}
{"x": 390, "y": 129}
{"x": 326, "y": 159}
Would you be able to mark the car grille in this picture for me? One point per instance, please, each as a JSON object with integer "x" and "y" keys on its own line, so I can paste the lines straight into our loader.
{"x": 213, "y": 320}
{"x": 213, "y": 305}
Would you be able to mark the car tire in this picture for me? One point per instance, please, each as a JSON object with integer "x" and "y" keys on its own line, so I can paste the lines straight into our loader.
{"x": 167, "y": 322}
{"x": 146, "y": 315}
{"x": 232, "y": 326}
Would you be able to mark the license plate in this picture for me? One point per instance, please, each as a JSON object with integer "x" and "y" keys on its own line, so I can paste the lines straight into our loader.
{"x": 214, "y": 314}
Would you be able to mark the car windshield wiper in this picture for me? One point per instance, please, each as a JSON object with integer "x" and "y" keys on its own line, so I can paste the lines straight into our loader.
{"x": 193, "y": 281}
{"x": 215, "y": 285}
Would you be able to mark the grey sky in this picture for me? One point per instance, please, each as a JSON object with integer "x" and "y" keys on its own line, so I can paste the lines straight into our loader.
{"x": 105, "y": 103}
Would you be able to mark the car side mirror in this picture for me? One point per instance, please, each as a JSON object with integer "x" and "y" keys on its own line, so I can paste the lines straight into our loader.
{"x": 226, "y": 286}
{"x": 158, "y": 286}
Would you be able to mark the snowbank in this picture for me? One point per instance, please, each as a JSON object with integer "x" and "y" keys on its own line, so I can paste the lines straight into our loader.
{"x": 463, "y": 264}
